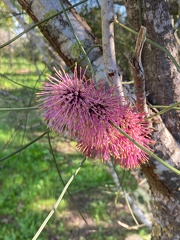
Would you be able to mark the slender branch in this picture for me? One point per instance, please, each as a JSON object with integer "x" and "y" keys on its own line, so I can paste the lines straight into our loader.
{"x": 61, "y": 179}
{"x": 39, "y": 23}
{"x": 133, "y": 208}
{"x": 19, "y": 109}
{"x": 136, "y": 227}
{"x": 164, "y": 110}
{"x": 2, "y": 75}
{"x": 109, "y": 56}
{"x": 24, "y": 147}
{"x": 77, "y": 39}
{"x": 58, "y": 201}
{"x": 152, "y": 43}
{"x": 163, "y": 106}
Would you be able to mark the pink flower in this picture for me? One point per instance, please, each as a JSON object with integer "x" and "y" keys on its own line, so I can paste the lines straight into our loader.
{"x": 98, "y": 136}
{"x": 135, "y": 125}
{"x": 85, "y": 110}
{"x": 63, "y": 101}
{"x": 104, "y": 140}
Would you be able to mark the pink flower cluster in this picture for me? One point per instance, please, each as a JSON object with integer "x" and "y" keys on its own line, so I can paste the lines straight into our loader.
{"x": 85, "y": 110}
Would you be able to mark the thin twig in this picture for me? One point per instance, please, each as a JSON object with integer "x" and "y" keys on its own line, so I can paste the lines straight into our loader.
{"x": 136, "y": 227}
{"x": 24, "y": 147}
{"x": 164, "y": 110}
{"x": 19, "y": 109}
{"x": 60, "y": 177}
{"x": 39, "y": 23}
{"x": 2, "y": 75}
{"x": 152, "y": 43}
{"x": 163, "y": 106}
{"x": 133, "y": 208}
{"x": 58, "y": 201}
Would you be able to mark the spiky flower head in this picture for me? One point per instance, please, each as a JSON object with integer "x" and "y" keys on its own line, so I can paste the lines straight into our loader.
{"x": 63, "y": 101}
{"x": 135, "y": 125}
{"x": 102, "y": 139}
{"x": 84, "y": 109}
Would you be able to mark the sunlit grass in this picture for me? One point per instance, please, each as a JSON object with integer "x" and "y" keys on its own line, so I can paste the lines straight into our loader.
{"x": 23, "y": 72}
{"x": 46, "y": 205}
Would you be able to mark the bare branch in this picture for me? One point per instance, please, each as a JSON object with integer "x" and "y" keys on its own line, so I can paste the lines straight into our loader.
{"x": 60, "y": 36}
{"x": 109, "y": 56}
{"x": 138, "y": 71}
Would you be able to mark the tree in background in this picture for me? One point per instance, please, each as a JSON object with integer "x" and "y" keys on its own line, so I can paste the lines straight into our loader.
{"x": 74, "y": 41}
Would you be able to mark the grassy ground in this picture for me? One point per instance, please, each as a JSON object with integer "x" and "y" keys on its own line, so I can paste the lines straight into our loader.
{"x": 30, "y": 183}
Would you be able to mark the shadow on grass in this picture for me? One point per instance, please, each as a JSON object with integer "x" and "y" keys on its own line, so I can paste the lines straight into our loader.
{"x": 30, "y": 186}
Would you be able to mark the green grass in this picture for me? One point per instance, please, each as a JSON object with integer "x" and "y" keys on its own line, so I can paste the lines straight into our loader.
{"x": 29, "y": 181}
{"x": 22, "y": 72}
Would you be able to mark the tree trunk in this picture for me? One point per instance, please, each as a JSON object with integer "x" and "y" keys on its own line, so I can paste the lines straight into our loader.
{"x": 61, "y": 37}
{"x": 162, "y": 77}
{"x": 161, "y": 82}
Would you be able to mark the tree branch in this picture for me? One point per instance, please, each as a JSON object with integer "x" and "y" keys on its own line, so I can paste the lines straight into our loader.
{"x": 109, "y": 56}
{"x": 60, "y": 36}
{"x": 138, "y": 71}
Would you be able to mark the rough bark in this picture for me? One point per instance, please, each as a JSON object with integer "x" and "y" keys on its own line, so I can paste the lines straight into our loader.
{"x": 59, "y": 34}
{"x": 162, "y": 77}
{"x": 162, "y": 81}
{"x": 164, "y": 185}
{"x": 138, "y": 71}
